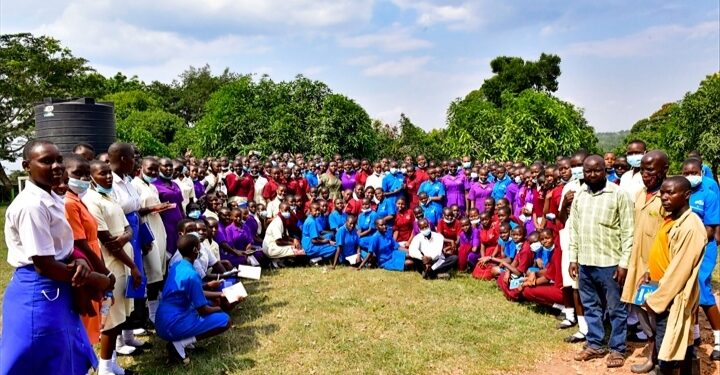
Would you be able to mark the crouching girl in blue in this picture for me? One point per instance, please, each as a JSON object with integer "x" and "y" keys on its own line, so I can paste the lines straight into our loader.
{"x": 384, "y": 248}
{"x": 346, "y": 240}
{"x": 184, "y": 314}
{"x": 312, "y": 241}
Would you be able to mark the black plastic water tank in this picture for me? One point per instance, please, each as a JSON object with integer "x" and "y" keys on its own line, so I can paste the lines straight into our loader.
{"x": 67, "y": 122}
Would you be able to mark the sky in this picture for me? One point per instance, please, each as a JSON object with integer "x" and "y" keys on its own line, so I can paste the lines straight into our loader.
{"x": 621, "y": 60}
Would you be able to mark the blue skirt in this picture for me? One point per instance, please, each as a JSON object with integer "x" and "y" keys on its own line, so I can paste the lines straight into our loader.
{"x": 175, "y": 323}
{"x": 41, "y": 334}
{"x": 707, "y": 265}
{"x": 395, "y": 263}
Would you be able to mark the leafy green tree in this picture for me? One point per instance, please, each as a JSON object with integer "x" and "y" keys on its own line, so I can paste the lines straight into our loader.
{"x": 700, "y": 120}
{"x": 32, "y": 68}
{"x": 517, "y": 75}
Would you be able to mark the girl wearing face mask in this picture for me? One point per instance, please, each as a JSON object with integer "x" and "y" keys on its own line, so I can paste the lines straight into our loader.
{"x": 454, "y": 183}
{"x": 480, "y": 190}
{"x": 169, "y": 192}
{"x": 154, "y": 253}
{"x": 84, "y": 228}
{"x": 449, "y": 228}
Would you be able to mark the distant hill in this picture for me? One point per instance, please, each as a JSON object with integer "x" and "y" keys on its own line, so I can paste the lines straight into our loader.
{"x": 609, "y": 141}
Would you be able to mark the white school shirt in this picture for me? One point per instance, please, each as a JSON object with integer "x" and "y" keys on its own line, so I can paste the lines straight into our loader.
{"x": 260, "y": 183}
{"x": 214, "y": 183}
{"x": 188, "y": 190}
{"x": 374, "y": 180}
{"x": 631, "y": 183}
{"x": 273, "y": 207}
{"x": 274, "y": 232}
{"x": 205, "y": 260}
{"x": 125, "y": 194}
{"x": 35, "y": 225}
{"x": 430, "y": 247}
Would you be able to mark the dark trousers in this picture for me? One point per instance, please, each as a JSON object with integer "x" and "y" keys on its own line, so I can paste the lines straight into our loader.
{"x": 661, "y": 321}
{"x": 448, "y": 265}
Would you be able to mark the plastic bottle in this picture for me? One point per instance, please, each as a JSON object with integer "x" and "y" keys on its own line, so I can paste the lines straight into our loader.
{"x": 105, "y": 307}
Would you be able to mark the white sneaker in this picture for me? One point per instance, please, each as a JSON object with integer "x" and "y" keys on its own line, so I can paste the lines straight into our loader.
{"x": 116, "y": 369}
{"x": 125, "y": 349}
{"x": 140, "y": 332}
{"x": 134, "y": 342}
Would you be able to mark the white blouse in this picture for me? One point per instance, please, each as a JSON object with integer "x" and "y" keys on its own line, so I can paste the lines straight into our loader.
{"x": 35, "y": 225}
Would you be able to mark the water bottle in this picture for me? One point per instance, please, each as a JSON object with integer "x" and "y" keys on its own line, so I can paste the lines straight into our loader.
{"x": 105, "y": 307}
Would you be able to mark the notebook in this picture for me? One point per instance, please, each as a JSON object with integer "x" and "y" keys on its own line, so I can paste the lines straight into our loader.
{"x": 235, "y": 292}
{"x": 249, "y": 272}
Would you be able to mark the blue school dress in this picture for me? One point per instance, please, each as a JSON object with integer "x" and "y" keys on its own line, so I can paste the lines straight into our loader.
{"x": 545, "y": 255}
{"x": 309, "y": 232}
{"x": 433, "y": 189}
{"x": 500, "y": 187}
{"x": 386, "y": 208}
{"x": 337, "y": 219}
{"x": 177, "y": 317}
{"x": 366, "y": 220}
{"x": 432, "y": 212}
{"x": 386, "y": 250}
{"x": 704, "y": 203}
{"x": 348, "y": 242}
{"x": 509, "y": 248}
{"x": 393, "y": 182}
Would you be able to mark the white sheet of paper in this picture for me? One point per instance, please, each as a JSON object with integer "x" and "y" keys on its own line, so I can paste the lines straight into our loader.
{"x": 235, "y": 292}
{"x": 352, "y": 259}
{"x": 253, "y": 261}
{"x": 249, "y": 272}
{"x": 437, "y": 264}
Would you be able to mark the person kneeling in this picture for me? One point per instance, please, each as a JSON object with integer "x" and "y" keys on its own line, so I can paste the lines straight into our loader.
{"x": 426, "y": 251}
{"x": 185, "y": 315}
{"x": 384, "y": 248}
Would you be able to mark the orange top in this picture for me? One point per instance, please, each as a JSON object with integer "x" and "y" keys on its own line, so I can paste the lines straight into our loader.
{"x": 84, "y": 227}
{"x": 660, "y": 252}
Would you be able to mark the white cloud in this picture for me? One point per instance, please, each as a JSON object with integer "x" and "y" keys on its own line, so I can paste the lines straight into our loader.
{"x": 646, "y": 42}
{"x": 313, "y": 71}
{"x": 362, "y": 60}
{"x": 398, "y": 67}
{"x": 457, "y": 15}
{"x": 395, "y": 39}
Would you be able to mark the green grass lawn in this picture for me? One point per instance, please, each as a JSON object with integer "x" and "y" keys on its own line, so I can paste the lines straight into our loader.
{"x": 320, "y": 321}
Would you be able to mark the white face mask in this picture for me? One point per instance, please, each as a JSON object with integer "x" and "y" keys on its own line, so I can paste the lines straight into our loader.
{"x": 634, "y": 160}
{"x": 425, "y": 232}
{"x": 475, "y": 222}
{"x": 467, "y": 164}
{"x": 473, "y": 175}
{"x": 694, "y": 180}
{"x": 535, "y": 246}
{"x": 577, "y": 173}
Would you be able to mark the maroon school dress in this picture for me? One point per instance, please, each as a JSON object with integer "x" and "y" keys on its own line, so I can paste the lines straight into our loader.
{"x": 488, "y": 238}
{"x": 404, "y": 223}
{"x": 549, "y": 294}
{"x": 524, "y": 260}
{"x": 169, "y": 191}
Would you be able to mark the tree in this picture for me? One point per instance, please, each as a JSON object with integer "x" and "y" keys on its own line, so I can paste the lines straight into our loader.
{"x": 517, "y": 75}
{"x": 297, "y": 116}
{"x": 700, "y": 120}
{"x": 32, "y": 68}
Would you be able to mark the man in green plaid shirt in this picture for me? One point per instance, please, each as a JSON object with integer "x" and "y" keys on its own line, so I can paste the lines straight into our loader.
{"x": 600, "y": 246}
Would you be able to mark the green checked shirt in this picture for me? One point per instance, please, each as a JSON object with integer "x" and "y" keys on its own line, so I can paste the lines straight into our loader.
{"x": 601, "y": 230}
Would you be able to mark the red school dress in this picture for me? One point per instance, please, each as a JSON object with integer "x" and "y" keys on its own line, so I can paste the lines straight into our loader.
{"x": 404, "y": 224}
{"x": 488, "y": 238}
{"x": 523, "y": 261}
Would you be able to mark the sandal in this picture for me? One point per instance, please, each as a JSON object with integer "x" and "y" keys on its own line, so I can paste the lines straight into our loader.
{"x": 615, "y": 360}
{"x": 565, "y": 324}
{"x": 589, "y": 354}
{"x": 575, "y": 338}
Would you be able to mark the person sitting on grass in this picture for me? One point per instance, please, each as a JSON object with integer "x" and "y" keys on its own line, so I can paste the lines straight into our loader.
{"x": 506, "y": 250}
{"x": 547, "y": 246}
{"x": 544, "y": 287}
{"x": 315, "y": 245}
{"x": 338, "y": 216}
{"x": 185, "y": 315}
{"x": 347, "y": 241}
{"x": 449, "y": 227}
{"x": 426, "y": 252}
{"x": 384, "y": 250}
{"x": 366, "y": 223}
{"x": 519, "y": 266}
{"x": 468, "y": 243}
{"x": 277, "y": 243}
{"x": 205, "y": 261}
{"x": 489, "y": 234}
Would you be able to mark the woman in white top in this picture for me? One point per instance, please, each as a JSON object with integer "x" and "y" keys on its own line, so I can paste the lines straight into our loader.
{"x": 41, "y": 333}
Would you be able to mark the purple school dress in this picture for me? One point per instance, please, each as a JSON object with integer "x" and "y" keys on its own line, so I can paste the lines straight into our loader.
{"x": 478, "y": 194}
{"x": 347, "y": 180}
{"x": 170, "y": 192}
{"x": 473, "y": 241}
{"x": 454, "y": 190}
{"x": 238, "y": 239}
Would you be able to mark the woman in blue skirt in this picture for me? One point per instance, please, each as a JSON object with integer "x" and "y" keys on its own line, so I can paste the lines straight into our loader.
{"x": 41, "y": 333}
{"x": 185, "y": 315}
{"x": 384, "y": 248}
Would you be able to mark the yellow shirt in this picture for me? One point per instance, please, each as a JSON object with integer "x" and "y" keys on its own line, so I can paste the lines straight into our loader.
{"x": 660, "y": 252}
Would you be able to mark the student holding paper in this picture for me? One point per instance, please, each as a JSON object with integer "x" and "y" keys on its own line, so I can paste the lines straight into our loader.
{"x": 185, "y": 315}
{"x": 347, "y": 241}
{"x": 674, "y": 264}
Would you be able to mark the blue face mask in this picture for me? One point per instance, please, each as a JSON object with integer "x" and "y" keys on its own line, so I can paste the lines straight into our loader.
{"x": 551, "y": 248}
{"x": 78, "y": 186}
{"x": 103, "y": 190}
{"x": 148, "y": 179}
{"x": 634, "y": 160}
{"x": 195, "y": 214}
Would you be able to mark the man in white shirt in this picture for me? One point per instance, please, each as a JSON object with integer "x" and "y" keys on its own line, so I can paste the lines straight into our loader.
{"x": 426, "y": 250}
{"x": 273, "y": 207}
{"x": 277, "y": 243}
{"x": 260, "y": 182}
{"x": 185, "y": 183}
{"x": 631, "y": 182}
{"x": 375, "y": 179}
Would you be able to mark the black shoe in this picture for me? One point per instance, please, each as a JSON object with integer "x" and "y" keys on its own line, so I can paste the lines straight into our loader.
{"x": 565, "y": 324}
{"x": 574, "y": 338}
{"x": 715, "y": 356}
{"x": 633, "y": 337}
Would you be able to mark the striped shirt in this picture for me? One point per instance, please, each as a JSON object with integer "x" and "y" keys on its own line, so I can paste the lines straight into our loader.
{"x": 601, "y": 233}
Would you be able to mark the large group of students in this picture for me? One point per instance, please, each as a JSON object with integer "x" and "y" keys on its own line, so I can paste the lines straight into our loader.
{"x": 107, "y": 247}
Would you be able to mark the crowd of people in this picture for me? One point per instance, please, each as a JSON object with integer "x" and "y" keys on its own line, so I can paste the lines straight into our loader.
{"x": 106, "y": 247}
